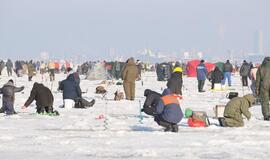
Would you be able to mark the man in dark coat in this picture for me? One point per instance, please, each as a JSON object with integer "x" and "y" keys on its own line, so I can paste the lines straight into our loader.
{"x": 129, "y": 76}
{"x": 263, "y": 86}
{"x": 43, "y": 97}
{"x": 9, "y": 66}
{"x": 216, "y": 77}
{"x": 8, "y": 91}
{"x": 71, "y": 90}
{"x": 227, "y": 70}
{"x": 244, "y": 72}
{"x": 2, "y": 66}
{"x": 175, "y": 82}
{"x": 168, "y": 111}
{"x": 151, "y": 101}
{"x": 201, "y": 75}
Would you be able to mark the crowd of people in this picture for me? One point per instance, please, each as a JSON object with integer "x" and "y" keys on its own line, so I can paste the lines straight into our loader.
{"x": 165, "y": 107}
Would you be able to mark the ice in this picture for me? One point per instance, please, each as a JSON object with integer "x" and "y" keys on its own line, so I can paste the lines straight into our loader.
{"x": 84, "y": 134}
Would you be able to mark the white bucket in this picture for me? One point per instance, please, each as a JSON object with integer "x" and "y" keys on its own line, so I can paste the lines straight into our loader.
{"x": 69, "y": 103}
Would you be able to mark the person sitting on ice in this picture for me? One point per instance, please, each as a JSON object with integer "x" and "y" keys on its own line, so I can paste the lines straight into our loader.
{"x": 168, "y": 111}
{"x": 72, "y": 94}
{"x": 151, "y": 101}
{"x": 234, "y": 110}
{"x": 44, "y": 99}
{"x": 8, "y": 91}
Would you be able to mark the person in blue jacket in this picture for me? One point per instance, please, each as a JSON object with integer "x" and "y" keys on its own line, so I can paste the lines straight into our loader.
{"x": 201, "y": 75}
{"x": 168, "y": 111}
{"x": 71, "y": 90}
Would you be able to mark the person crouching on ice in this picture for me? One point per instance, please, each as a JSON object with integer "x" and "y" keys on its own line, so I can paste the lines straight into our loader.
{"x": 44, "y": 99}
{"x": 8, "y": 91}
{"x": 234, "y": 110}
{"x": 168, "y": 111}
{"x": 151, "y": 101}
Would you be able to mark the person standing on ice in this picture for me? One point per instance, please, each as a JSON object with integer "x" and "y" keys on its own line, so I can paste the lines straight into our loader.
{"x": 51, "y": 67}
{"x": 31, "y": 70}
{"x": 244, "y": 72}
{"x": 44, "y": 99}
{"x": 201, "y": 75}
{"x": 168, "y": 111}
{"x": 9, "y": 66}
{"x": 227, "y": 70}
{"x": 8, "y": 91}
{"x": 253, "y": 72}
{"x": 129, "y": 76}
{"x": 234, "y": 110}
{"x": 175, "y": 82}
{"x": 263, "y": 87}
{"x": 216, "y": 77}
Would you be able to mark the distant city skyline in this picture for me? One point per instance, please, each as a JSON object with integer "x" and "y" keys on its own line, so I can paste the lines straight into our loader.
{"x": 102, "y": 29}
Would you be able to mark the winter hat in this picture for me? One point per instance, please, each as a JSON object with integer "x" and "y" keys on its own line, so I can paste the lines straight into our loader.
{"x": 178, "y": 69}
{"x": 69, "y": 69}
{"x": 188, "y": 113}
{"x": 202, "y": 61}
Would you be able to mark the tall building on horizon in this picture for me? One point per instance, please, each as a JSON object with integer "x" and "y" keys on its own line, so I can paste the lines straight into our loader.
{"x": 259, "y": 41}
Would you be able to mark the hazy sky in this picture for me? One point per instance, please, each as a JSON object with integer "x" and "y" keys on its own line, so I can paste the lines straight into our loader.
{"x": 92, "y": 27}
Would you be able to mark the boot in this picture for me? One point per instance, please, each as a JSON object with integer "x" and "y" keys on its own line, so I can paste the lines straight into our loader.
{"x": 266, "y": 118}
{"x": 92, "y": 103}
{"x": 168, "y": 128}
{"x": 222, "y": 121}
{"x": 175, "y": 128}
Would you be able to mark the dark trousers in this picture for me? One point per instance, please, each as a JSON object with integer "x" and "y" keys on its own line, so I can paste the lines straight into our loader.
{"x": 83, "y": 103}
{"x": 7, "y": 107}
{"x": 160, "y": 121}
{"x": 41, "y": 109}
{"x": 244, "y": 81}
{"x": 200, "y": 85}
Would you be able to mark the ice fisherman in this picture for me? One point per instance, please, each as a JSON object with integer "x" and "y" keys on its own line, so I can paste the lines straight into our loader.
{"x": 263, "y": 87}
{"x": 8, "y": 91}
{"x": 234, "y": 110}
{"x": 43, "y": 97}
{"x": 168, "y": 111}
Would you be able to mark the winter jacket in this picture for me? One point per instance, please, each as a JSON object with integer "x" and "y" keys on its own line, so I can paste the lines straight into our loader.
{"x": 151, "y": 101}
{"x": 8, "y": 91}
{"x": 169, "y": 108}
{"x": 201, "y": 72}
{"x": 9, "y": 64}
{"x": 263, "y": 77}
{"x": 41, "y": 94}
{"x": 70, "y": 88}
{"x": 130, "y": 72}
{"x": 31, "y": 69}
{"x": 217, "y": 76}
{"x": 245, "y": 69}
{"x": 175, "y": 83}
{"x": 253, "y": 72}
{"x": 235, "y": 108}
{"x": 227, "y": 67}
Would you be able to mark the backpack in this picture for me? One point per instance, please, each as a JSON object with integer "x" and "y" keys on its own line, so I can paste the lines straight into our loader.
{"x": 100, "y": 90}
{"x": 199, "y": 119}
{"x": 118, "y": 96}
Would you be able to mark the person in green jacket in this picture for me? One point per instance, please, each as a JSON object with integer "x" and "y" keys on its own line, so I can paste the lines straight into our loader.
{"x": 129, "y": 76}
{"x": 263, "y": 86}
{"x": 234, "y": 110}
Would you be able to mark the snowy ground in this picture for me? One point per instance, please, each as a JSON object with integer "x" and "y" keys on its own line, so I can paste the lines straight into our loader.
{"x": 83, "y": 133}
